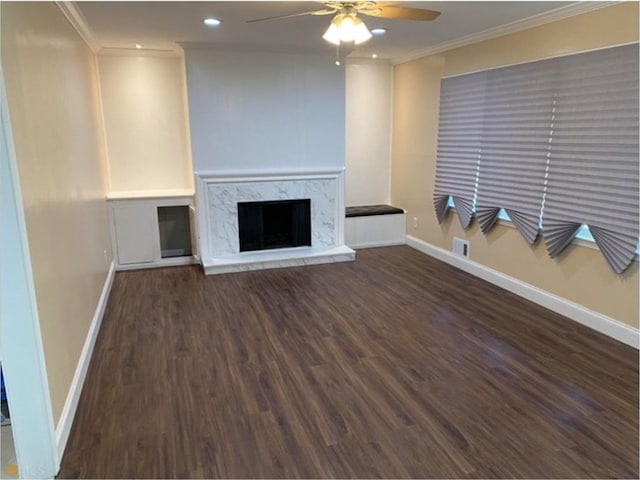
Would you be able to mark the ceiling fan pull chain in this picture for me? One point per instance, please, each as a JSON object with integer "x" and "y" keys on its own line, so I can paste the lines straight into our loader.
{"x": 338, "y": 54}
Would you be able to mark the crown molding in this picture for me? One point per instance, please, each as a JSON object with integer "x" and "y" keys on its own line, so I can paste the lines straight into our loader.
{"x": 136, "y": 52}
{"x": 368, "y": 61}
{"x": 79, "y": 23}
{"x": 554, "y": 15}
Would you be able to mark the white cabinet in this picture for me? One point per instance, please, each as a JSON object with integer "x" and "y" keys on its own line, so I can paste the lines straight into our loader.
{"x": 149, "y": 229}
{"x": 135, "y": 232}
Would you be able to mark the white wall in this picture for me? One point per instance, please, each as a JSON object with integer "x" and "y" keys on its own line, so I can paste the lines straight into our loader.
{"x": 255, "y": 111}
{"x": 146, "y": 123}
{"x": 22, "y": 357}
{"x": 368, "y": 132}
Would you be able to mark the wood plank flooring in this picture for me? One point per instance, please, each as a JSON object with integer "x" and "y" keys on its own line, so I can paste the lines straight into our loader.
{"x": 395, "y": 365}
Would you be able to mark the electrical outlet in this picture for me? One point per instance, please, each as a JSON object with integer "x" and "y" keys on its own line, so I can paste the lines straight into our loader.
{"x": 415, "y": 222}
{"x": 106, "y": 260}
{"x": 460, "y": 247}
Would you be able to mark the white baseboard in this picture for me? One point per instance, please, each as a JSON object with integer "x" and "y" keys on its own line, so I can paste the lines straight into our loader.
{"x": 69, "y": 411}
{"x": 385, "y": 243}
{"x": 162, "y": 263}
{"x": 597, "y": 321}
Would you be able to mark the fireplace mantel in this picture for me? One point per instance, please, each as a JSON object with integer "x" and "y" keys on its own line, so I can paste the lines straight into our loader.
{"x": 219, "y": 192}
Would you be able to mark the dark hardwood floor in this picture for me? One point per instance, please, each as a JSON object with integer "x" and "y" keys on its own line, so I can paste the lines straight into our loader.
{"x": 395, "y": 365}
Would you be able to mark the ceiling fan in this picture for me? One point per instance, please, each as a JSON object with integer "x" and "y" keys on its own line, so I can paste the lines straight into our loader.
{"x": 347, "y": 27}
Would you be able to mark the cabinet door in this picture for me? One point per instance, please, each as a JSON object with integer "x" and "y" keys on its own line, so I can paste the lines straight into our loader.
{"x": 136, "y": 232}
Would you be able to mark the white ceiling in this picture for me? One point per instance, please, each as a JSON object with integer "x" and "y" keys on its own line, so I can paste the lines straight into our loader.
{"x": 161, "y": 25}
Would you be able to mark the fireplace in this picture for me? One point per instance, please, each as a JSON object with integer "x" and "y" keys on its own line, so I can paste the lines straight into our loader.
{"x": 274, "y": 224}
{"x": 270, "y": 219}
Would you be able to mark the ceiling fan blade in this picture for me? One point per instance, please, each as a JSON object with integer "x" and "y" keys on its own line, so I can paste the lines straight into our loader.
{"x": 401, "y": 13}
{"x": 312, "y": 12}
{"x": 327, "y": 11}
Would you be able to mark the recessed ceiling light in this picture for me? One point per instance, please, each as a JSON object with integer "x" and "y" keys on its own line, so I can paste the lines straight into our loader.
{"x": 378, "y": 31}
{"x": 211, "y": 22}
{"x": 138, "y": 45}
{"x": 375, "y": 55}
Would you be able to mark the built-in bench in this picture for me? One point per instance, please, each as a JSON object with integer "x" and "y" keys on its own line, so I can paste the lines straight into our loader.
{"x": 374, "y": 226}
{"x": 370, "y": 210}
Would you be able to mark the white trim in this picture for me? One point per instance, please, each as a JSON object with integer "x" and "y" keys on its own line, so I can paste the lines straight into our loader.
{"x": 24, "y": 365}
{"x": 80, "y": 24}
{"x": 103, "y": 126}
{"x": 151, "y": 194}
{"x": 71, "y": 404}
{"x": 368, "y": 61}
{"x": 203, "y": 225}
{"x": 187, "y": 120}
{"x": 162, "y": 263}
{"x": 268, "y": 175}
{"x": 550, "y": 16}
{"x": 541, "y": 59}
{"x": 390, "y": 152}
{"x": 338, "y": 234}
{"x": 383, "y": 243}
{"x": 139, "y": 52}
{"x": 597, "y": 321}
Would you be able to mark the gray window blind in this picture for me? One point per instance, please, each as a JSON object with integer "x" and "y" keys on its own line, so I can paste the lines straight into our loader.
{"x": 517, "y": 124}
{"x": 459, "y": 135}
{"x": 593, "y": 173}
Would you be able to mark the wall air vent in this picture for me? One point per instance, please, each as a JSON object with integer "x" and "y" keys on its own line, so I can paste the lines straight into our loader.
{"x": 460, "y": 247}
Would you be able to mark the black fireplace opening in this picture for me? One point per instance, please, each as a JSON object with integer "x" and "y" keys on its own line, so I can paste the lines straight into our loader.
{"x": 274, "y": 224}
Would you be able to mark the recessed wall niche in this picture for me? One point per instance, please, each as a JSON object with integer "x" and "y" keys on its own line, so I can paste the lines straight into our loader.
{"x": 175, "y": 231}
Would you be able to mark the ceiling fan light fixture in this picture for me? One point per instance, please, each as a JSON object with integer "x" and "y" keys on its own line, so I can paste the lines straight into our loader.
{"x": 362, "y": 33}
{"x": 332, "y": 35}
{"x": 346, "y": 28}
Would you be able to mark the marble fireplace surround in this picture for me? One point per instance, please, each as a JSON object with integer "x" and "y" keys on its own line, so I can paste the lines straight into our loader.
{"x": 217, "y": 197}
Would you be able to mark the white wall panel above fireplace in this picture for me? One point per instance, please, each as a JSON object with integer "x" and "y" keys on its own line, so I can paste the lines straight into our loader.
{"x": 266, "y": 126}
{"x": 265, "y": 110}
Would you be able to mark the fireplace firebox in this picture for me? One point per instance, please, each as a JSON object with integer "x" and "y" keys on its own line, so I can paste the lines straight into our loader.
{"x": 274, "y": 224}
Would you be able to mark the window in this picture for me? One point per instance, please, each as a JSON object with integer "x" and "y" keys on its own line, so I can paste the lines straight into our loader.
{"x": 517, "y": 124}
{"x": 554, "y": 144}
{"x": 593, "y": 173}
{"x": 459, "y": 136}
